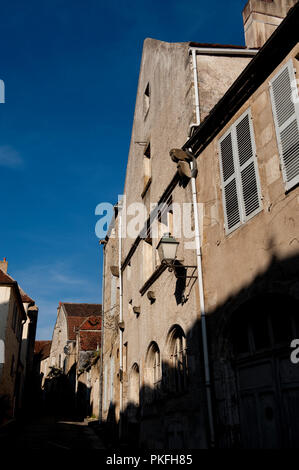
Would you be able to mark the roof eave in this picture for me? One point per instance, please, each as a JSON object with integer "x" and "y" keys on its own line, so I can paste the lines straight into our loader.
{"x": 281, "y": 42}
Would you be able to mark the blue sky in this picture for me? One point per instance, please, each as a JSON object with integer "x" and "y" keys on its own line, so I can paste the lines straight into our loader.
{"x": 70, "y": 70}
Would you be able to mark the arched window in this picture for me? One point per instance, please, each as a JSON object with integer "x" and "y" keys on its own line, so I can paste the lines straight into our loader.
{"x": 134, "y": 385}
{"x": 177, "y": 359}
{"x": 153, "y": 371}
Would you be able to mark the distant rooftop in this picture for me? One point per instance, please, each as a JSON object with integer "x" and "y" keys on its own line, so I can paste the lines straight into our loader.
{"x": 77, "y": 313}
{"x": 42, "y": 348}
{"x": 82, "y": 310}
{"x": 7, "y": 279}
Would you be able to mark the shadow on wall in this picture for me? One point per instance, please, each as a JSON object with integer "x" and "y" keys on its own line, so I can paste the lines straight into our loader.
{"x": 255, "y": 385}
{"x": 58, "y": 396}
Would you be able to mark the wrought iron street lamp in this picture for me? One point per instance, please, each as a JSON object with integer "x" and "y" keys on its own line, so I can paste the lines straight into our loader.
{"x": 167, "y": 249}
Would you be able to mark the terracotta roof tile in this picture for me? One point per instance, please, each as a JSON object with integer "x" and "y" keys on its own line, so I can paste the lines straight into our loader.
{"x": 91, "y": 323}
{"x": 73, "y": 325}
{"x": 90, "y": 340}
{"x": 5, "y": 278}
{"x": 42, "y": 348}
{"x": 82, "y": 310}
{"x": 76, "y": 315}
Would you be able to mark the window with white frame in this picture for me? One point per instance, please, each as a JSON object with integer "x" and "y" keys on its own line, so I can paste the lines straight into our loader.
{"x": 285, "y": 108}
{"x": 239, "y": 173}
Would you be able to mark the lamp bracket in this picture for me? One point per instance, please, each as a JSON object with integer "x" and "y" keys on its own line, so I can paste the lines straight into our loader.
{"x": 176, "y": 266}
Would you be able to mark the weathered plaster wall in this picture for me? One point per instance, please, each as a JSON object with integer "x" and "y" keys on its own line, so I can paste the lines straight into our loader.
{"x": 110, "y": 338}
{"x": 12, "y": 344}
{"x": 167, "y": 70}
{"x": 59, "y": 339}
{"x": 215, "y": 76}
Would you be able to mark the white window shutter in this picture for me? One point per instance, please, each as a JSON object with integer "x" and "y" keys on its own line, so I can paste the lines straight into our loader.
{"x": 249, "y": 181}
{"x": 285, "y": 107}
{"x": 232, "y": 213}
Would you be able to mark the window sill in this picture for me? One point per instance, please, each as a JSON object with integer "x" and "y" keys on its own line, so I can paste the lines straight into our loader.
{"x": 158, "y": 271}
{"x": 146, "y": 186}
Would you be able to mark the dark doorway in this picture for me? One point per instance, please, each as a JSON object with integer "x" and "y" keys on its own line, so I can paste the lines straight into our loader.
{"x": 267, "y": 381}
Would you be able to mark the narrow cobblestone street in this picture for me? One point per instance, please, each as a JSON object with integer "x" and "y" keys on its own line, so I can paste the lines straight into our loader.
{"x": 49, "y": 433}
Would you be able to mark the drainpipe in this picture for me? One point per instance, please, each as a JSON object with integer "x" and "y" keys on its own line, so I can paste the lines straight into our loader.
{"x": 200, "y": 274}
{"x": 102, "y": 242}
{"x": 120, "y": 321}
{"x": 194, "y": 67}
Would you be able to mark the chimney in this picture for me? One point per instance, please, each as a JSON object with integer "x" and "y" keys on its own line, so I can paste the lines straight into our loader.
{"x": 261, "y": 18}
{"x": 3, "y": 265}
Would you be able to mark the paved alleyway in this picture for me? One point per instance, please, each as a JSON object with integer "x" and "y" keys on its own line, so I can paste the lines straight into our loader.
{"x": 48, "y": 433}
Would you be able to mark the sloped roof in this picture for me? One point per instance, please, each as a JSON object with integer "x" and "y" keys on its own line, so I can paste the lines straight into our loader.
{"x": 273, "y": 52}
{"x": 91, "y": 323}
{"x": 89, "y": 340}
{"x": 7, "y": 279}
{"x": 42, "y": 348}
{"x": 77, "y": 313}
{"x": 90, "y": 333}
{"x": 82, "y": 310}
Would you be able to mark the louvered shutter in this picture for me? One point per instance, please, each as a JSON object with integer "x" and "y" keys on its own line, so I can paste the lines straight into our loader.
{"x": 285, "y": 107}
{"x": 248, "y": 172}
{"x": 230, "y": 194}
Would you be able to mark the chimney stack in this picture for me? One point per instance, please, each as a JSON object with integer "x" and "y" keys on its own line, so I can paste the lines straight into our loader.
{"x": 261, "y": 18}
{"x": 3, "y": 265}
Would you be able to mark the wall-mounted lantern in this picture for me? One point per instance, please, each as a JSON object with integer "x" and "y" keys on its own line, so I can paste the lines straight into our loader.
{"x": 167, "y": 249}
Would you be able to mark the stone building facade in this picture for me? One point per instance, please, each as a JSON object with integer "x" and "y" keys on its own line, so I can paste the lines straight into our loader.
{"x": 175, "y": 373}
{"x": 41, "y": 360}
{"x": 248, "y": 174}
{"x": 73, "y": 364}
{"x": 18, "y": 319}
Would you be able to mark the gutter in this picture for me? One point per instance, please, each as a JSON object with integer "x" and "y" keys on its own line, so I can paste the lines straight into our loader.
{"x": 223, "y": 51}
{"x": 280, "y": 43}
